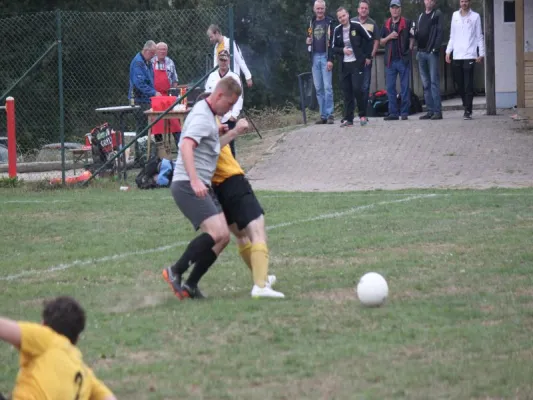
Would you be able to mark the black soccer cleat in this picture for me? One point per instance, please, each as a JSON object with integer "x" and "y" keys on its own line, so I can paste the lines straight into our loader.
{"x": 193, "y": 293}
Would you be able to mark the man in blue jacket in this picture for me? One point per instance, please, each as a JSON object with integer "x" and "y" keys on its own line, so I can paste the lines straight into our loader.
{"x": 142, "y": 84}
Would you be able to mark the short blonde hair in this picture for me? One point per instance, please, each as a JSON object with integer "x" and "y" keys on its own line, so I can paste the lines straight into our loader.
{"x": 229, "y": 86}
{"x": 214, "y": 29}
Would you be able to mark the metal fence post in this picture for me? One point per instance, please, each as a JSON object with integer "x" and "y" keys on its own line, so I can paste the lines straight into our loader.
{"x": 61, "y": 100}
{"x": 231, "y": 35}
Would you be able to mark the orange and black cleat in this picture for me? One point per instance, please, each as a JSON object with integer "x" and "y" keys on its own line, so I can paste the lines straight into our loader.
{"x": 174, "y": 281}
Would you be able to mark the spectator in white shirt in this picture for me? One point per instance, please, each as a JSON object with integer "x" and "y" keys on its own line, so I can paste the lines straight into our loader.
{"x": 230, "y": 118}
{"x": 222, "y": 42}
{"x": 466, "y": 43}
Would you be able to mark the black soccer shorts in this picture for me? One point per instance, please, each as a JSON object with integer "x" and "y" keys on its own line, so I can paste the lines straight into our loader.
{"x": 238, "y": 201}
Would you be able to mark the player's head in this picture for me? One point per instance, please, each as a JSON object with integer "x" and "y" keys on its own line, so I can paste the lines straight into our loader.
{"x": 214, "y": 34}
{"x": 225, "y": 95}
{"x": 223, "y": 60}
{"x": 65, "y": 316}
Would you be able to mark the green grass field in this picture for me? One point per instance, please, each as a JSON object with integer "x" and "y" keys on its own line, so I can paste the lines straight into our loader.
{"x": 457, "y": 324}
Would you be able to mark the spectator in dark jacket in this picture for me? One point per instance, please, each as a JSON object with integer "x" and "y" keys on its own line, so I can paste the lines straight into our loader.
{"x": 429, "y": 35}
{"x": 142, "y": 82}
{"x": 372, "y": 28}
{"x": 319, "y": 40}
{"x": 397, "y": 37}
{"x": 353, "y": 45}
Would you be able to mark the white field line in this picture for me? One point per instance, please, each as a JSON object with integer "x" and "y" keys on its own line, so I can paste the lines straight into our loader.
{"x": 90, "y": 261}
{"x": 380, "y": 193}
{"x": 349, "y": 211}
{"x": 34, "y": 201}
{"x": 80, "y": 263}
{"x": 272, "y": 196}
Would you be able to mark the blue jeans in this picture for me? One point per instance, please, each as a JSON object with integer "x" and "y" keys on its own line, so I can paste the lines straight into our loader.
{"x": 403, "y": 69}
{"x": 428, "y": 63}
{"x": 367, "y": 77}
{"x": 323, "y": 87}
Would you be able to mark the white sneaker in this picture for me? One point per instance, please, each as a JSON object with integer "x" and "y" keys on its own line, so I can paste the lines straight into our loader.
{"x": 271, "y": 280}
{"x": 267, "y": 291}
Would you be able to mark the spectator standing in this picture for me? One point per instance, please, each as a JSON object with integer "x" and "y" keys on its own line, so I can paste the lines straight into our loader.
{"x": 429, "y": 35}
{"x": 353, "y": 45}
{"x": 397, "y": 38}
{"x": 319, "y": 45}
{"x": 370, "y": 25}
{"x": 142, "y": 82}
{"x": 468, "y": 48}
{"x": 165, "y": 77}
{"x": 142, "y": 88}
{"x": 223, "y": 43}
{"x": 230, "y": 118}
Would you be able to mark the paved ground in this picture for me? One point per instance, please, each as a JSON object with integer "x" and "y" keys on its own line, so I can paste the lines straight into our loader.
{"x": 489, "y": 151}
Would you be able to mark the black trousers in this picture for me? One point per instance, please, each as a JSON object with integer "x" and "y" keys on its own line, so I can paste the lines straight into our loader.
{"x": 463, "y": 76}
{"x": 231, "y": 125}
{"x": 352, "y": 79}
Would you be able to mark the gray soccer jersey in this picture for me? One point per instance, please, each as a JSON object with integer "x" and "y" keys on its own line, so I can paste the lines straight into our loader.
{"x": 200, "y": 126}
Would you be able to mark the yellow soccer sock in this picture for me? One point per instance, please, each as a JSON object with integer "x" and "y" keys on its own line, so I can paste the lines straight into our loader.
{"x": 245, "y": 251}
{"x": 259, "y": 258}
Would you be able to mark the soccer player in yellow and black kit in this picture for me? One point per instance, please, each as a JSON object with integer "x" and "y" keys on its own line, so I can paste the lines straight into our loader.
{"x": 245, "y": 218}
{"x": 51, "y": 366}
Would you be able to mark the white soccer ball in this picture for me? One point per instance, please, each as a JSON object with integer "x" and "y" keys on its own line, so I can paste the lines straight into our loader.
{"x": 372, "y": 289}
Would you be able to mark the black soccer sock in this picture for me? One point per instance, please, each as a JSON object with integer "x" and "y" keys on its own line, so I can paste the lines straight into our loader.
{"x": 195, "y": 249}
{"x": 203, "y": 263}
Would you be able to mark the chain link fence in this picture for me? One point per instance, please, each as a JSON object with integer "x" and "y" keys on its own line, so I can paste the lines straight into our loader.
{"x": 97, "y": 49}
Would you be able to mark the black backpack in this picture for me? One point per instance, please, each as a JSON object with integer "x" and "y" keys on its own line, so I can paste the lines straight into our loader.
{"x": 147, "y": 177}
{"x": 378, "y": 104}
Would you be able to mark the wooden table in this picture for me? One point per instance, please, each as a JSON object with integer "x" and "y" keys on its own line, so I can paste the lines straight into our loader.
{"x": 167, "y": 135}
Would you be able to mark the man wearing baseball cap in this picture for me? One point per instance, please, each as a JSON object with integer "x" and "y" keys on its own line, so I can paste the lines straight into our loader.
{"x": 397, "y": 38}
{"x": 230, "y": 118}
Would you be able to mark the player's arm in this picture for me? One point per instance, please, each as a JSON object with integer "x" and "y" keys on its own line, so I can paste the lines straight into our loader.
{"x": 187, "y": 147}
{"x": 240, "y": 128}
{"x": 10, "y": 332}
